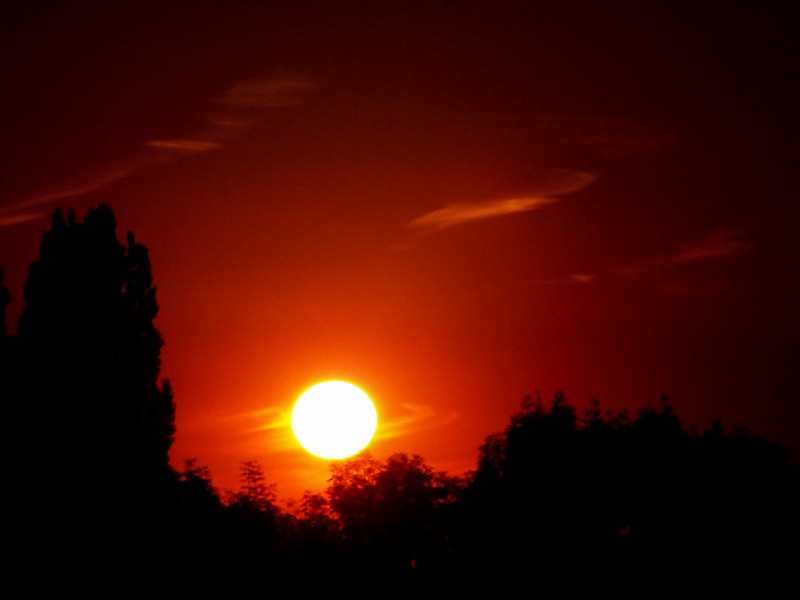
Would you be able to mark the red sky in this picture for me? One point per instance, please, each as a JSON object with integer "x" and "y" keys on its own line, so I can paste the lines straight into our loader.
{"x": 450, "y": 204}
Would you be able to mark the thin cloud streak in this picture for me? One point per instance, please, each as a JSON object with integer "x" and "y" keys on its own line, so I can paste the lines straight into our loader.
{"x": 572, "y": 279}
{"x": 270, "y": 427}
{"x": 184, "y": 145}
{"x": 274, "y": 425}
{"x": 674, "y": 272}
{"x": 243, "y": 103}
{"x": 687, "y": 270}
{"x": 558, "y": 183}
{"x": 24, "y": 217}
{"x": 583, "y": 278}
{"x": 609, "y": 138}
{"x": 420, "y": 417}
{"x": 720, "y": 244}
{"x": 458, "y": 214}
{"x": 266, "y": 92}
{"x": 100, "y": 180}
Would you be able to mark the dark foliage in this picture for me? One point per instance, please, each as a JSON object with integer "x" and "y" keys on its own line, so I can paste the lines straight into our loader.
{"x": 389, "y": 512}
{"x": 618, "y": 502}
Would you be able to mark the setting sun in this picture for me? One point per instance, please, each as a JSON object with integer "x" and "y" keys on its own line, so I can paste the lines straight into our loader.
{"x": 334, "y": 419}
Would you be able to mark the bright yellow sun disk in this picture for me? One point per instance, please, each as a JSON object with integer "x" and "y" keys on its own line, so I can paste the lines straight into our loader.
{"x": 334, "y": 420}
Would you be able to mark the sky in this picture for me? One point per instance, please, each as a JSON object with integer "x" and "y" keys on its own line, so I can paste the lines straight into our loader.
{"x": 449, "y": 204}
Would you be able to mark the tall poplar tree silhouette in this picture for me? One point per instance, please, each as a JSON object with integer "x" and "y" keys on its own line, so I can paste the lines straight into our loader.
{"x": 93, "y": 420}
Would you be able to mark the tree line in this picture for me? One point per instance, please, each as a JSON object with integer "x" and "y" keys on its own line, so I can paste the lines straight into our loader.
{"x": 559, "y": 499}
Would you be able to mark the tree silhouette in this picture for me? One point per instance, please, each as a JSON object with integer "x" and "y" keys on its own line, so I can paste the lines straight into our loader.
{"x": 254, "y": 520}
{"x": 93, "y": 421}
{"x": 199, "y": 523}
{"x": 8, "y": 353}
{"x": 314, "y": 527}
{"x": 5, "y": 300}
{"x": 254, "y": 493}
{"x": 197, "y": 492}
{"x": 611, "y": 501}
{"x": 389, "y": 511}
{"x": 559, "y": 497}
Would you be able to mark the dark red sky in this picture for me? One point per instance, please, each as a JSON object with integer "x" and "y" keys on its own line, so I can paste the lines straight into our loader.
{"x": 450, "y": 204}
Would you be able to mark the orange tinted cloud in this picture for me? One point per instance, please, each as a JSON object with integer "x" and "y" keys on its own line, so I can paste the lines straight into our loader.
{"x": 692, "y": 269}
{"x": 248, "y": 97}
{"x": 92, "y": 183}
{"x": 418, "y": 417}
{"x": 582, "y": 278}
{"x": 270, "y": 428}
{"x": 458, "y": 214}
{"x": 6, "y": 220}
{"x": 558, "y": 183}
{"x": 719, "y": 244}
{"x": 609, "y": 138}
{"x": 184, "y": 145}
{"x": 266, "y": 92}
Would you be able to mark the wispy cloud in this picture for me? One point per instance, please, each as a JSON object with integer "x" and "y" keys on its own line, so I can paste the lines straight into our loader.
{"x": 266, "y": 92}
{"x": 275, "y": 424}
{"x": 571, "y": 279}
{"x": 608, "y": 138}
{"x": 583, "y": 278}
{"x": 98, "y": 180}
{"x": 238, "y": 109}
{"x": 717, "y": 245}
{"x": 418, "y": 417}
{"x": 272, "y": 426}
{"x": 184, "y": 145}
{"x": 458, "y": 214}
{"x": 239, "y": 431}
{"x": 693, "y": 267}
{"x": 559, "y": 183}
{"x": 21, "y": 217}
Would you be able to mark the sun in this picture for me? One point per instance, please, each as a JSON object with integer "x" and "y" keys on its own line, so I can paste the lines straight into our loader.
{"x": 334, "y": 419}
